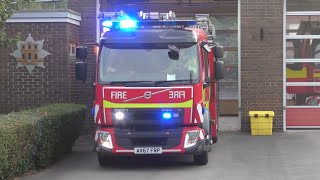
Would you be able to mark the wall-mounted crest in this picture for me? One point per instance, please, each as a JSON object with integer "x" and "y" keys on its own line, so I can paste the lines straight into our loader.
{"x": 30, "y": 54}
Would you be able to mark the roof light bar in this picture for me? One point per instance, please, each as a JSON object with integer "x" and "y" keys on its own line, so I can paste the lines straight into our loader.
{"x": 107, "y": 24}
{"x": 143, "y": 20}
{"x": 128, "y": 24}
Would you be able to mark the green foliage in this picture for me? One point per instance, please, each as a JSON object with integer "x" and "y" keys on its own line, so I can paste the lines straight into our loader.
{"x": 47, "y": 5}
{"x": 35, "y": 138}
{"x": 7, "y": 8}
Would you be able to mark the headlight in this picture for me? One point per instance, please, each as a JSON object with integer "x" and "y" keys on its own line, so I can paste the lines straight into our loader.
{"x": 119, "y": 115}
{"x": 105, "y": 139}
{"x": 191, "y": 139}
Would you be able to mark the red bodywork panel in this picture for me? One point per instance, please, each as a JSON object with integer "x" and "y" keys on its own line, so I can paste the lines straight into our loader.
{"x": 148, "y": 97}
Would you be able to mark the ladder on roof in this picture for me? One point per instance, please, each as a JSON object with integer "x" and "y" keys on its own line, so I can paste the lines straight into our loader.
{"x": 204, "y": 22}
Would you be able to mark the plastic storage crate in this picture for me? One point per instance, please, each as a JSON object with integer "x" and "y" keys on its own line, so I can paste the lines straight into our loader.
{"x": 261, "y": 122}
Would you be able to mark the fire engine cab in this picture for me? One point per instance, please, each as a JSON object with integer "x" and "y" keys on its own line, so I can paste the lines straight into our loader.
{"x": 156, "y": 85}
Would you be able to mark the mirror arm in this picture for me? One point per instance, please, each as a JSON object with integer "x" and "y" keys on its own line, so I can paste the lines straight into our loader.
{"x": 91, "y": 44}
{"x": 208, "y": 83}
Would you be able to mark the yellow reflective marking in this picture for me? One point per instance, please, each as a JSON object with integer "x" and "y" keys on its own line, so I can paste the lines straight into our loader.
{"x": 316, "y": 75}
{"x": 297, "y": 74}
{"x": 108, "y": 104}
{"x": 206, "y": 101}
{"x": 207, "y": 104}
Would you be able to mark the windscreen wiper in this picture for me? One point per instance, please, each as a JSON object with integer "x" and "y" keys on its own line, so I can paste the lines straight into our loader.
{"x": 157, "y": 83}
{"x": 128, "y": 82}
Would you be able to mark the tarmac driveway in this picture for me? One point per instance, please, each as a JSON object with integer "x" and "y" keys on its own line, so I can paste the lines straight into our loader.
{"x": 290, "y": 155}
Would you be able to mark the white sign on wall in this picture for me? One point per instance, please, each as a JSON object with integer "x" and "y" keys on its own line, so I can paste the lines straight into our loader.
{"x": 30, "y": 54}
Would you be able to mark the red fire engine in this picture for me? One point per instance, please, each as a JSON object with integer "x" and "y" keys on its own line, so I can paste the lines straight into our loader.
{"x": 156, "y": 85}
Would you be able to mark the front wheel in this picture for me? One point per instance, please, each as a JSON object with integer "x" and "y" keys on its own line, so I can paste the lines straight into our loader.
{"x": 214, "y": 140}
{"x": 201, "y": 159}
{"x": 104, "y": 160}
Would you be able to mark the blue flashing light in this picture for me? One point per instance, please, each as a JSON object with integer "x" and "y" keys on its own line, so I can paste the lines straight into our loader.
{"x": 92, "y": 111}
{"x": 107, "y": 24}
{"x": 166, "y": 115}
{"x": 128, "y": 24}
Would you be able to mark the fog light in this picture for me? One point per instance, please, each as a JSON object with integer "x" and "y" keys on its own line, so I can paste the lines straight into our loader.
{"x": 105, "y": 139}
{"x": 191, "y": 139}
{"x": 119, "y": 115}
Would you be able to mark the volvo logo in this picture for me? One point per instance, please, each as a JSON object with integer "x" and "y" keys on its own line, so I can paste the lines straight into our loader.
{"x": 147, "y": 94}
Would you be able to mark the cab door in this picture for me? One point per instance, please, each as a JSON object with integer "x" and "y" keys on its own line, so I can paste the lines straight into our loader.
{"x": 207, "y": 70}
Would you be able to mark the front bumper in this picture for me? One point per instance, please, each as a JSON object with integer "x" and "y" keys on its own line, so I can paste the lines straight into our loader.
{"x": 201, "y": 146}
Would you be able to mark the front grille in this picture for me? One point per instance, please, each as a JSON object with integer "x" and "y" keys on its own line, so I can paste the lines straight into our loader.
{"x": 149, "y": 141}
{"x": 145, "y": 115}
{"x": 146, "y": 127}
{"x": 149, "y": 119}
{"x": 131, "y": 139}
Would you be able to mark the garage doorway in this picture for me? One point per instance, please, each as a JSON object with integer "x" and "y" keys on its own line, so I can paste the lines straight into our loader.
{"x": 302, "y": 64}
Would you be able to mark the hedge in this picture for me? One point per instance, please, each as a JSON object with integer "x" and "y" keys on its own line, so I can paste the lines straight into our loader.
{"x": 35, "y": 138}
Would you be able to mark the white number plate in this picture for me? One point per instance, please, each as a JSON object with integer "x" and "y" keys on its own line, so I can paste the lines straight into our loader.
{"x": 148, "y": 150}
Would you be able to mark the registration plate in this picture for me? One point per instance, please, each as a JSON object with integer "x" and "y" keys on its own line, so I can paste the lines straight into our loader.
{"x": 148, "y": 150}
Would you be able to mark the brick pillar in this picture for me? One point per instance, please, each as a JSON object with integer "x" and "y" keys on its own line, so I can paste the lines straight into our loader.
{"x": 21, "y": 89}
{"x": 262, "y": 59}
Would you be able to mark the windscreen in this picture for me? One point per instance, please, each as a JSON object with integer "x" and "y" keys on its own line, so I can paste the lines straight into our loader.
{"x": 148, "y": 62}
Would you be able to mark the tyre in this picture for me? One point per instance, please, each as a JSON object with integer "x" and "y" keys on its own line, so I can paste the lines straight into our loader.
{"x": 201, "y": 159}
{"x": 104, "y": 160}
{"x": 215, "y": 140}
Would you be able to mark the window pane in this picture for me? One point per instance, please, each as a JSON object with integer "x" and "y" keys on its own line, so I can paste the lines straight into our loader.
{"x": 303, "y": 95}
{"x": 303, "y": 49}
{"x": 225, "y": 22}
{"x": 303, "y": 5}
{"x": 303, "y": 72}
{"x": 230, "y": 74}
{"x": 230, "y": 57}
{"x": 227, "y": 39}
{"x": 303, "y": 25}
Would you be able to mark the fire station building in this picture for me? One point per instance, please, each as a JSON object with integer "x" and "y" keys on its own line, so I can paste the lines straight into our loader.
{"x": 272, "y": 54}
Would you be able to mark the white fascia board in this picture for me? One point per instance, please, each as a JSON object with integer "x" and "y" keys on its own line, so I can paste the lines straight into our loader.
{"x": 49, "y": 16}
{"x": 303, "y": 13}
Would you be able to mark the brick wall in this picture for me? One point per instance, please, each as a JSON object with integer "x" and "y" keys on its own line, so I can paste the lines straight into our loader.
{"x": 73, "y": 37}
{"x": 55, "y": 83}
{"x": 87, "y": 31}
{"x": 262, "y": 59}
{"x": 181, "y": 7}
{"x": 19, "y": 89}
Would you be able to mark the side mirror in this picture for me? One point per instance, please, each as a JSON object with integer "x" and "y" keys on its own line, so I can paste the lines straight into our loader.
{"x": 81, "y": 71}
{"x": 82, "y": 53}
{"x": 218, "y": 70}
{"x": 218, "y": 51}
